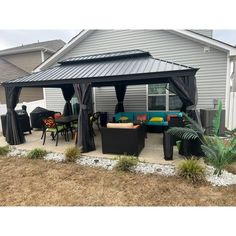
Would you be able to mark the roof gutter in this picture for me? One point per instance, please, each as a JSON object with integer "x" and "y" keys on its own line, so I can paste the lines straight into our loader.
{"x": 18, "y": 51}
{"x": 207, "y": 41}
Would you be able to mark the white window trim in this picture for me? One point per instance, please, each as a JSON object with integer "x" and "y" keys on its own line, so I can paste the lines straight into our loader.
{"x": 167, "y": 94}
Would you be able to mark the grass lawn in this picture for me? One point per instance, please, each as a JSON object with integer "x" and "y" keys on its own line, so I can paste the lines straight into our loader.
{"x": 44, "y": 183}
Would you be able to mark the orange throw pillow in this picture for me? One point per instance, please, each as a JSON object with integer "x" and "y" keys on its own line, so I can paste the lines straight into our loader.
{"x": 142, "y": 117}
{"x": 170, "y": 116}
{"x": 57, "y": 115}
{"x": 49, "y": 122}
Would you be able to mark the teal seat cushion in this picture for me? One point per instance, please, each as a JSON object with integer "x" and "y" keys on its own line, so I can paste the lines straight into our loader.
{"x": 129, "y": 115}
{"x": 155, "y": 123}
{"x": 132, "y": 116}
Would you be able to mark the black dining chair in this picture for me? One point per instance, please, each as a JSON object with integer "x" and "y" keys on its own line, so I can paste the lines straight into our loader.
{"x": 50, "y": 126}
{"x": 94, "y": 119}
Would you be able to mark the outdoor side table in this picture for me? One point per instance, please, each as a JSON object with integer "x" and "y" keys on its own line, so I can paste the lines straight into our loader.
{"x": 167, "y": 146}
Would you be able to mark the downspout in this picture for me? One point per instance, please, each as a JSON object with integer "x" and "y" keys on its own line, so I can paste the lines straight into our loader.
{"x": 227, "y": 93}
{"x": 44, "y": 90}
{"x": 232, "y": 90}
{"x": 42, "y": 56}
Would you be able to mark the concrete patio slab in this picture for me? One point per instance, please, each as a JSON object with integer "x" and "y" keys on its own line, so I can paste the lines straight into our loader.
{"x": 152, "y": 153}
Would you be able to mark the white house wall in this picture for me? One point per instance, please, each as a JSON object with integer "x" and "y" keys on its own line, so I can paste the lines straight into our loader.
{"x": 211, "y": 78}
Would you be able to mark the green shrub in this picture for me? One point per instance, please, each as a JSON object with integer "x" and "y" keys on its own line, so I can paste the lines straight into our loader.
{"x": 191, "y": 170}
{"x": 4, "y": 150}
{"x": 125, "y": 163}
{"x": 37, "y": 153}
{"x": 72, "y": 154}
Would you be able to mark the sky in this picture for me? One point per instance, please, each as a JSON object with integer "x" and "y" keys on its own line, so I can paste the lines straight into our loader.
{"x": 14, "y": 38}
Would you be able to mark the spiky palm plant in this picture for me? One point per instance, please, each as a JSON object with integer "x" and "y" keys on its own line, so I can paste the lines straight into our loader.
{"x": 218, "y": 152}
{"x": 191, "y": 131}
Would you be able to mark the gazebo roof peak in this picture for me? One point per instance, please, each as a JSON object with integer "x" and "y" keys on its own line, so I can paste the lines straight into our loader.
{"x": 128, "y": 54}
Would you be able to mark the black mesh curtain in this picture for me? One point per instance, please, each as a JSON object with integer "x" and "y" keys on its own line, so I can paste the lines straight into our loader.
{"x": 120, "y": 95}
{"x": 68, "y": 92}
{"x": 14, "y": 134}
{"x": 186, "y": 89}
{"x": 85, "y": 135}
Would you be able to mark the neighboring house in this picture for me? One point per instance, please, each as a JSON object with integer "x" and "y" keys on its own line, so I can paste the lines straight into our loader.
{"x": 191, "y": 48}
{"x": 22, "y": 60}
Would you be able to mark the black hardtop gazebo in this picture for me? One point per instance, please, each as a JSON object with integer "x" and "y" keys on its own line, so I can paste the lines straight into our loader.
{"x": 78, "y": 74}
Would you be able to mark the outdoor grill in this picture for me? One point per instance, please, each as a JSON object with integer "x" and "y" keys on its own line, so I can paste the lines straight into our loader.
{"x": 23, "y": 118}
{"x": 37, "y": 115}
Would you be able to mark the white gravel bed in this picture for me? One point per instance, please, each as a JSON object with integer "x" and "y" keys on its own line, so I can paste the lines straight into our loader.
{"x": 58, "y": 157}
{"x": 108, "y": 164}
{"x": 224, "y": 179}
{"x": 148, "y": 168}
{"x": 15, "y": 152}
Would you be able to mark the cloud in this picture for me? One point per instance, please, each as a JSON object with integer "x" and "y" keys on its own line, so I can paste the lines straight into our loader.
{"x": 227, "y": 36}
{"x": 4, "y": 44}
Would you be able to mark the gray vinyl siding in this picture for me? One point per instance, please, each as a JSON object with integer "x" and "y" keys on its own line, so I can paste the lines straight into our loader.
{"x": 163, "y": 44}
{"x": 26, "y": 61}
{"x": 47, "y": 55}
{"x": 106, "y": 99}
{"x": 54, "y": 99}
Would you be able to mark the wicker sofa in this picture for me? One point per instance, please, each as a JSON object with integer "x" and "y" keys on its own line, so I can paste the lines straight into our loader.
{"x": 132, "y": 116}
{"x": 123, "y": 141}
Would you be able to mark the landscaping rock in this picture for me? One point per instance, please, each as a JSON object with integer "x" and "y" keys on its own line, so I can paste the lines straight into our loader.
{"x": 17, "y": 152}
{"x": 224, "y": 179}
{"x": 58, "y": 157}
{"x": 97, "y": 162}
{"x": 148, "y": 168}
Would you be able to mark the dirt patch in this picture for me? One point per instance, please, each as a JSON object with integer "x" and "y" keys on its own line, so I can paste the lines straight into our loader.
{"x": 231, "y": 168}
{"x": 46, "y": 183}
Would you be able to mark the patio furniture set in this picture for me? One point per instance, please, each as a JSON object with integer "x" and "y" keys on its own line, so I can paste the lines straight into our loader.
{"x": 58, "y": 124}
{"x": 128, "y": 132}
{"x": 50, "y": 122}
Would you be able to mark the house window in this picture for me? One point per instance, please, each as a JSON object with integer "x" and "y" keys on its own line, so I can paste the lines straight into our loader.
{"x": 161, "y": 99}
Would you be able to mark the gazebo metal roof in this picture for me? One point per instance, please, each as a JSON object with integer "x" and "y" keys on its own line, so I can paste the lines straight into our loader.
{"x": 129, "y": 67}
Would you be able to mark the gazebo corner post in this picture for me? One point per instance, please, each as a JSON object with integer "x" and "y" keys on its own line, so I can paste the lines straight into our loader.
{"x": 14, "y": 133}
{"x": 85, "y": 134}
{"x": 68, "y": 92}
{"x": 120, "y": 95}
